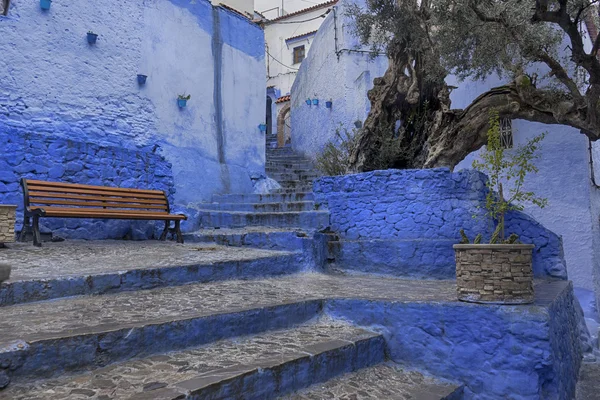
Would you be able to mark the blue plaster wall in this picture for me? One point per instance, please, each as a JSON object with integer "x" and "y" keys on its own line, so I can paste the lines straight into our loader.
{"x": 54, "y": 84}
{"x": 498, "y": 352}
{"x": 343, "y": 77}
{"x": 404, "y": 222}
{"x": 55, "y": 158}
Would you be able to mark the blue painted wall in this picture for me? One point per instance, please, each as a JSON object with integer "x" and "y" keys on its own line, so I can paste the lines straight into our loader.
{"x": 404, "y": 222}
{"x": 55, "y": 86}
{"x": 498, "y": 352}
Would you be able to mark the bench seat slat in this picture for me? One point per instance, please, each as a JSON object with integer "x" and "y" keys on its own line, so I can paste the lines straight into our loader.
{"x": 95, "y": 192}
{"x": 97, "y": 204}
{"x": 39, "y": 195}
{"x": 121, "y": 215}
{"x": 33, "y": 182}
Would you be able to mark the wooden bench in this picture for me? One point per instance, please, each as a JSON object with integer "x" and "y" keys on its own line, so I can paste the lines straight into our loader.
{"x": 68, "y": 200}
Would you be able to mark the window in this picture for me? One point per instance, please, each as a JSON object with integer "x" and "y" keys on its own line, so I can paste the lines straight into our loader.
{"x": 299, "y": 54}
{"x": 506, "y": 133}
{"x": 4, "y": 4}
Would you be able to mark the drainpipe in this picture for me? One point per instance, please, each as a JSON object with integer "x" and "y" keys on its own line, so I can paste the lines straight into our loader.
{"x": 593, "y": 175}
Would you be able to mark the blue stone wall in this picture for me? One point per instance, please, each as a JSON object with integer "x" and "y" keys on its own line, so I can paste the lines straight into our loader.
{"x": 496, "y": 351}
{"x": 53, "y": 84}
{"x": 52, "y": 158}
{"x": 404, "y": 222}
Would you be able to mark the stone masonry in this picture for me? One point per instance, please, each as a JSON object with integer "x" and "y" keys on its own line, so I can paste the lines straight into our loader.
{"x": 494, "y": 273}
{"x": 7, "y": 223}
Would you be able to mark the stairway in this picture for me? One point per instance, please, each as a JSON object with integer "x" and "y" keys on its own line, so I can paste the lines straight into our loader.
{"x": 267, "y": 220}
{"x": 212, "y": 334}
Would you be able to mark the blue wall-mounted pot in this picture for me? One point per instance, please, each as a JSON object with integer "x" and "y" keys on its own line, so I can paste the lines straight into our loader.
{"x": 181, "y": 103}
{"x": 262, "y": 127}
{"x": 308, "y": 102}
{"x": 92, "y": 37}
{"x": 141, "y": 78}
{"x": 329, "y": 104}
{"x": 315, "y": 102}
{"x": 45, "y": 4}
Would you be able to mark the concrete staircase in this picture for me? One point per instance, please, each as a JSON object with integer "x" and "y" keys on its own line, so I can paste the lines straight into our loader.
{"x": 291, "y": 209}
{"x": 220, "y": 336}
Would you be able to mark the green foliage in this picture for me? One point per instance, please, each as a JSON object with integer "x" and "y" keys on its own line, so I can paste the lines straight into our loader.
{"x": 334, "y": 158}
{"x": 464, "y": 238}
{"x": 184, "y": 96}
{"x": 511, "y": 167}
{"x": 478, "y": 238}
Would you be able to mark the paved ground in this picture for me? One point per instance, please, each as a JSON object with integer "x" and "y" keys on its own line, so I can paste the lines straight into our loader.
{"x": 588, "y": 387}
{"x": 33, "y": 321}
{"x": 76, "y": 257}
{"x": 121, "y": 380}
{"x": 384, "y": 381}
{"x": 39, "y": 320}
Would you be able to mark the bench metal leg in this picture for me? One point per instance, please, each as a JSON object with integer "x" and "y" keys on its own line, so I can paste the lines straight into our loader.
{"x": 25, "y": 230}
{"x": 178, "y": 231}
{"x": 163, "y": 236}
{"x": 37, "y": 241}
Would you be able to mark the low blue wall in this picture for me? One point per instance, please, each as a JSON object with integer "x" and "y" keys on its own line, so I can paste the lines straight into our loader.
{"x": 53, "y": 158}
{"x": 404, "y": 222}
{"x": 498, "y": 352}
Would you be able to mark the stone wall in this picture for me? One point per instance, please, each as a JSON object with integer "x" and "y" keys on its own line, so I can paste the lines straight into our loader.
{"x": 496, "y": 351}
{"x": 55, "y": 84}
{"x": 54, "y": 158}
{"x": 404, "y": 222}
{"x": 7, "y": 224}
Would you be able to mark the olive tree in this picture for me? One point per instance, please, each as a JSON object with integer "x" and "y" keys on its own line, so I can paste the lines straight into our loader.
{"x": 537, "y": 47}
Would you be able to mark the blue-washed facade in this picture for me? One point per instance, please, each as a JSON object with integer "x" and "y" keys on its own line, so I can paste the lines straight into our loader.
{"x": 568, "y": 167}
{"x": 73, "y": 111}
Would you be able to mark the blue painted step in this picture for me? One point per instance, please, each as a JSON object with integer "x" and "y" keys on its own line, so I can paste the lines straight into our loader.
{"x": 262, "y": 207}
{"x": 167, "y": 272}
{"x": 231, "y": 219}
{"x": 263, "y": 198}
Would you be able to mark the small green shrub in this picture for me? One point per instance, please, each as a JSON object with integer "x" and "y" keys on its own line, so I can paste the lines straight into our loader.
{"x": 334, "y": 158}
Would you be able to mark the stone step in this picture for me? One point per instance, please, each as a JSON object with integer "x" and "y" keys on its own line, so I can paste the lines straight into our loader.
{"x": 263, "y": 198}
{"x": 287, "y": 176}
{"x": 232, "y": 219}
{"x": 301, "y": 171}
{"x": 296, "y": 184}
{"x": 383, "y": 381}
{"x": 113, "y": 266}
{"x": 261, "y": 207}
{"x": 253, "y": 236}
{"x": 49, "y": 339}
{"x": 288, "y": 165}
{"x": 264, "y": 365}
{"x": 292, "y": 190}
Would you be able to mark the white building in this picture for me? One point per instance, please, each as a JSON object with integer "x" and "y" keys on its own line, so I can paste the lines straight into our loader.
{"x": 290, "y": 28}
{"x": 245, "y": 7}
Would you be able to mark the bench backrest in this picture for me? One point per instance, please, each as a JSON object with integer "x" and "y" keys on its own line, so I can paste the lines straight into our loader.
{"x": 70, "y": 195}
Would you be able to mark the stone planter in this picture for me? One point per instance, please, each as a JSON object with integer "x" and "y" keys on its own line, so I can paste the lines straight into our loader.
{"x": 494, "y": 273}
{"x": 7, "y": 223}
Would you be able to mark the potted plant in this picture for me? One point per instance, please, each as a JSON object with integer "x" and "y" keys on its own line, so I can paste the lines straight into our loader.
{"x": 315, "y": 102}
{"x": 329, "y": 103}
{"x": 262, "y": 127}
{"x": 92, "y": 37}
{"x": 45, "y": 4}
{"x": 500, "y": 272}
{"x": 182, "y": 100}
{"x": 141, "y": 78}
{"x": 308, "y": 101}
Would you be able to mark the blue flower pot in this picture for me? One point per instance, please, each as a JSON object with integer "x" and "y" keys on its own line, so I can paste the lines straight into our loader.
{"x": 315, "y": 102}
{"x": 181, "y": 103}
{"x": 45, "y": 4}
{"x": 92, "y": 37}
{"x": 142, "y": 79}
{"x": 329, "y": 104}
{"x": 308, "y": 102}
{"x": 262, "y": 127}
